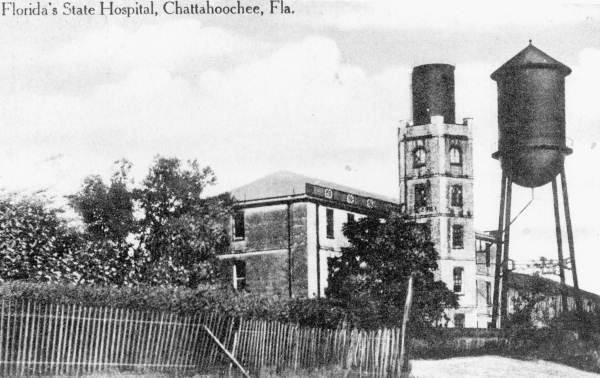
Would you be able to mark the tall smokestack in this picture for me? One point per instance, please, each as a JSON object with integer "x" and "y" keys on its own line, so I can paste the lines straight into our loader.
{"x": 433, "y": 93}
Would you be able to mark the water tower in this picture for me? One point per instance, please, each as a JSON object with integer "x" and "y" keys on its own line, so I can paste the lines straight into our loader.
{"x": 531, "y": 150}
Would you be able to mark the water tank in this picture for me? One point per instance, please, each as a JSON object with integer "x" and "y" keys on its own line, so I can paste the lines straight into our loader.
{"x": 433, "y": 93}
{"x": 531, "y": 117}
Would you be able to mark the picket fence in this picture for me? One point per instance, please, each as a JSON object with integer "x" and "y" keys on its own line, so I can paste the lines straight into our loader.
{"x": 69, "y": 340}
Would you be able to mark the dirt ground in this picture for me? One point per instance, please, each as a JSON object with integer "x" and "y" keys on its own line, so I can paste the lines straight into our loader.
{"x": 493, "y": 366}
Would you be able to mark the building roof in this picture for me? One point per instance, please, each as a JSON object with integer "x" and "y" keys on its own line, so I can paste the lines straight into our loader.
{"x": 520, "y": 281}
{"x": 531, "y": 56}
{"x": 284, "y": 183}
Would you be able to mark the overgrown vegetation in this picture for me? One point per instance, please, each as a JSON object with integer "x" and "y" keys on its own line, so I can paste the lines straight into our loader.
{"x": 163, "y": 232}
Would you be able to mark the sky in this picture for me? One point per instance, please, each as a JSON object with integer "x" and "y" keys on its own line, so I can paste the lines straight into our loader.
{"x": 319, "y": 92}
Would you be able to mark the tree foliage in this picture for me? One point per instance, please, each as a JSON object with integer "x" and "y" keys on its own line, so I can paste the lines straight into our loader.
{"x": 35, "y": 243}
{"x": 163, "y": 232}
{"x": 371, "y": 275}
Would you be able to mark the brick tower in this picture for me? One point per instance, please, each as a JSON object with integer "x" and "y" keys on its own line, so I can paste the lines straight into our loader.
{"x": 436, "y": 182}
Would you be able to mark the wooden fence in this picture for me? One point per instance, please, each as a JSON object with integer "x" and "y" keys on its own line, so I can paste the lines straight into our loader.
{"x": 289, "y": 347}
{"x": 49, "y": 339}
{"x": 39, "y": 339}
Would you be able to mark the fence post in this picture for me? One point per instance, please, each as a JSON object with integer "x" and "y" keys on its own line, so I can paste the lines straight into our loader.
{"x": 407, "y": 304}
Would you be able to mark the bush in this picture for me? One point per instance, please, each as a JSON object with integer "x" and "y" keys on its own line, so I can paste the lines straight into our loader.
{"x": 220, "y": 299}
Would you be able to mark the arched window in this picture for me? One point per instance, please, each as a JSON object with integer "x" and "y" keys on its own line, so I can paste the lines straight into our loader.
{"x": 419, "y": 157}
{"x": 455, "y": 156}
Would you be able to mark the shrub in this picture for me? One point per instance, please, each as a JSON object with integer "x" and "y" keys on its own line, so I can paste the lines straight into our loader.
{"x": 144, "y": 297}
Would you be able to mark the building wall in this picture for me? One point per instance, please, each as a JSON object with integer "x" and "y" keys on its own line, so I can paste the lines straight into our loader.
{"x": 328, "y": 247}
{"x": 266, "y": 250}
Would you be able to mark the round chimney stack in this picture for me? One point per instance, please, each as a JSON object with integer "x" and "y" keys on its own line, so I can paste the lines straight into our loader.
{"x": 433, "y": 93}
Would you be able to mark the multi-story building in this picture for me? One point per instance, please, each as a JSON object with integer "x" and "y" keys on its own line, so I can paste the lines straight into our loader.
{"x": 286, "y": 227}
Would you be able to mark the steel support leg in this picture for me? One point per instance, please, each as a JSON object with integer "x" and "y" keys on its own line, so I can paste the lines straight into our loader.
{"x": 505, "y": 257}
{"x": 498, "y": 261}
{"x": 561, "y": 261}
{"x": 565, "y": 193}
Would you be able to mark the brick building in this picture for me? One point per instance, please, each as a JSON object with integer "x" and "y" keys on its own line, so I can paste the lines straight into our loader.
{"x": 285, "y": 228}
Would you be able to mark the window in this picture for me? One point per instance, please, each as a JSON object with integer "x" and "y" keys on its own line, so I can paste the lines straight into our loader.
{"x": 455, "y": 156}
{"x": 488, "y": 250}
{"x": 419, "y": 157}
{"x": 456, "y": 196}
{"x": 329, "y": 216}
{"x": 488, "y": 293}
{"x": 457, "y": 272}
{"x": 239, "y": 231}
{"x": 421, "y": 196}
{"x": 239, "y": 275}
{"x": 457, "y": 236}
{"x": 459, "y": 320}
{"x": 350, "y": 217}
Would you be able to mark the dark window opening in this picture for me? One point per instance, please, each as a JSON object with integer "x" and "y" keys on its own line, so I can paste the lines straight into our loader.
{"x": 459, "y": 320}
{"x": 457, "y": 236}
{"x": 455, "y": 156}
{"x": 488, "y": 247}
{"x": 239, "y": 275}
{"x": 456, "y": 196}
{"x": 421, "y": 196}
{"x": 419, "y": 157}
{"x": 350, "y": 217}
{"x": 458, "y": 272}
{"x": 239, "y": 231}
{"x": 488, "y": 293}
{"x": 329, "y": 216}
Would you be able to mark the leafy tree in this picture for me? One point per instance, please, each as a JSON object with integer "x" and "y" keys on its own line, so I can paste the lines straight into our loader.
{"x": 35, "y": 243}
{"x": 180, "y": 231}
{"x": 105, "y": 255}
{"x": 370, "y": 276}
{"x": 106, "y": 210}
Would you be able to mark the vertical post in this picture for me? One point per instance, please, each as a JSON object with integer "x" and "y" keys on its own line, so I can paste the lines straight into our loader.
{"x": 561, "y": 266}
{"x": 405, "y": 317}
{"x": 498, "y": 261}
{"x": 570, "y": 239}
{"x": 289, "y": 240}
{"x": 505, "y": 257}
{"x": 318, "y": 242}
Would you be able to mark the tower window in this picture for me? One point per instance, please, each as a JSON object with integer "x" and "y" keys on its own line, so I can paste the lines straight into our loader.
{"x": 419, "y": 157}
{"x": 239, "y": 275}
{"x": 239, "y": 231}
{"x": 456, "y": 196}
{"x": 457, "y": 236}
{"x": 329, "y": 216}
{"x": 457, "y": 273}
{"x": 455, "y": 156}
{"x": 421, "y": 196}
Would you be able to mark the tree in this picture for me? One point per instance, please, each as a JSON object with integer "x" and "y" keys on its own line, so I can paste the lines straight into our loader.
{"x": 105, "y": 254}
{"x": 180, "y": 231}
{"x": 176, "y": 231}
{"x": 107, "y": 211}
{"x": 35, "y": 243}
{"x": 371, "y": 274}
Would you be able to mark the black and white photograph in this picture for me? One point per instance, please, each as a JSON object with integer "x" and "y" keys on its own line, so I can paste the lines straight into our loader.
{"x": 299, "y": 188}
